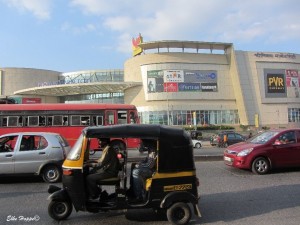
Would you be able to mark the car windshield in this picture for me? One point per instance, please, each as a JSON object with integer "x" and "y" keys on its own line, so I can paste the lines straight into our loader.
{"x": 76, "y": 150}
{"x": 264, "y": 137}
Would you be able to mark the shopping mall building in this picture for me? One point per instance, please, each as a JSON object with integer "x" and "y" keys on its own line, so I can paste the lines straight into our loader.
{"x": 178, "y": 83}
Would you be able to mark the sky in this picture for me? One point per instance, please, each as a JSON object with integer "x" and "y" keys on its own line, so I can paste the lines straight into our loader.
{"x": 75, "y": 35}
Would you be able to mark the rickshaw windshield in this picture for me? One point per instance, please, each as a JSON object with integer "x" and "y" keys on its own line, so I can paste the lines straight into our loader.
{"x": 76, "y": 150}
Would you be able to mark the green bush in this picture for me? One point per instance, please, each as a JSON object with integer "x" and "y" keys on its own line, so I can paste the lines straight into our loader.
{"x": 210, "y": 127}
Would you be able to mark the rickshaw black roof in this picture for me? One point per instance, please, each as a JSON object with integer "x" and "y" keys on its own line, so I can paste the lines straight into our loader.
{"x": 175, "y": 145}
{"x": 143, "y": 131}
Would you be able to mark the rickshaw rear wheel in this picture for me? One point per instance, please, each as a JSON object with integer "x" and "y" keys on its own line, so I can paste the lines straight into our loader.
{"x": 60, "y": 210}
{"x": 179, "y": 213}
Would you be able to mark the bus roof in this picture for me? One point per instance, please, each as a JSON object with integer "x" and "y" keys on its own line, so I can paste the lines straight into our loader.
{"x": 63, "y": 106}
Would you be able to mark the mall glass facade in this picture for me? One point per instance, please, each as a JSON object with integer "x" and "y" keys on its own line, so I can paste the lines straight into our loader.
{"x": 294, "y": 115}
{"x": 186, "y": 117}
{"x": 91, "y": 77}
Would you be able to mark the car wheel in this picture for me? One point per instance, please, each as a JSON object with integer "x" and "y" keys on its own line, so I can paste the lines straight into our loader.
{"x": 198, "y": 145}
{"x": 60, "y": 210}
{"x": 51, "y": 174}
{"x": 260, "y": 166}
{"x": 179, "y": 213}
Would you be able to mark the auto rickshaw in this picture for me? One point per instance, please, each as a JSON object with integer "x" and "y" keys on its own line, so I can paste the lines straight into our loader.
{"x": 172, "y": 189}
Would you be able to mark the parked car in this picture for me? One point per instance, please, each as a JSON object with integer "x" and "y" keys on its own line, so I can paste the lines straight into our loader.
{"x": 196, "y": 134}
{"x": 267, "y": 150}
{"x": 197, "y": 143}
{"x": 232, "y": 138}
{"x": 38, "y": 153}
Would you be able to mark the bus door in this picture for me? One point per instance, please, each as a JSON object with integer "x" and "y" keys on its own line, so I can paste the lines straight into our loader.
{"x": 110, "y": 117}
{"x": 133, "y": 117}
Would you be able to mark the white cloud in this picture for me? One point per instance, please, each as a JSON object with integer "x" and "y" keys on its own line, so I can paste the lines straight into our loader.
{"x": 240, "y": 21}
{"x": 39, "y": 8}
{"x": 95, "y": 7}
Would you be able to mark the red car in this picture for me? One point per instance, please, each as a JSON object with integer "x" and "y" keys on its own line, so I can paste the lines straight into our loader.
{"x": 267, "y": 150}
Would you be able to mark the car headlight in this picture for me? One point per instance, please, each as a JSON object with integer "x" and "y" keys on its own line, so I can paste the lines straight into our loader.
{"x": 245, "y": 152}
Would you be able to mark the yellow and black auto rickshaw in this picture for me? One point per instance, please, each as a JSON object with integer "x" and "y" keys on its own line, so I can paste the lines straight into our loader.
{"x": 172, "y": 189}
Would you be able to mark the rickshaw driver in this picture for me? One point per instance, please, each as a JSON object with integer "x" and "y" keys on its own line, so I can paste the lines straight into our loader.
{"x": 106, "y": 166}
{"x": 144, "y": 169}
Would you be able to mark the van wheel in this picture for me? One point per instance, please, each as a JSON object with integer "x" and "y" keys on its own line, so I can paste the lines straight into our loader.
{"x": 51, "y": 174}
{"x": 260, "y": 166}
{"x": 179, "y": 213}
{"x": 60, "y": 210}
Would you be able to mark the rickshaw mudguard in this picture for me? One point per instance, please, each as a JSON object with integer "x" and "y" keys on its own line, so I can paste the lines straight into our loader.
{"x": 178, "y": 196}
{"x": 61, "y": 194}
{"x": 181, "y": 196}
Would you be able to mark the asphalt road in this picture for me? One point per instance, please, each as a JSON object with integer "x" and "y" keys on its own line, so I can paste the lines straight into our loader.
{"x": 228, "y": 196}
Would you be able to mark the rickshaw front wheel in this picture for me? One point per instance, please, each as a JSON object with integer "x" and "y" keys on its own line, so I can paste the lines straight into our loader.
{"x": 60, "y": 210}
{"x": 179, "y": 213}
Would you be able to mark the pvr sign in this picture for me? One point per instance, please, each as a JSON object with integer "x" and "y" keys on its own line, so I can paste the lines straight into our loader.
{"x": 276, "y": 83}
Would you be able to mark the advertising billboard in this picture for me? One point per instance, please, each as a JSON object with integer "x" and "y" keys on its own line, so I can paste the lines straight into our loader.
{"x": 275, "y": 83}
{"x": 182, "y": 81}
{"x": 293, "y": 82}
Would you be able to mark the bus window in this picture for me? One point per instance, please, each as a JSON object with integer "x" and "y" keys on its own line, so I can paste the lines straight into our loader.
{"x": 122, "y": 117}
{"x": 42, "y": 121}
{"x": 57, "y": 120}
{"x": 97, "y": 121}
{"x": 12, "y": 121}
{"x": 80, "y": 120}
{"x": 50, "y": 119}
{"x": 75, "y": 120}
{"x": 4, "y": 122}
{"x": 84, "y": 120}
{"x": 20, "y": 121}
{"x": 110, "y": 117}
{"x": 33, "y": 121}
{"x": 65, "y": 123}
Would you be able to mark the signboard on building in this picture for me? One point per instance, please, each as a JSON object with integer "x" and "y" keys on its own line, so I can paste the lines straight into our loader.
{"x": 293, "y": 82}
{"x": 173, "y": 76}
{"x": 182, "y": 81}
{"x": 31, "y": 101}
{"x": 275, "y": 85}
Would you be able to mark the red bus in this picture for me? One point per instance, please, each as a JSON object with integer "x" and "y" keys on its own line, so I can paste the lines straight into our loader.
{"x": 66, "y": 119}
